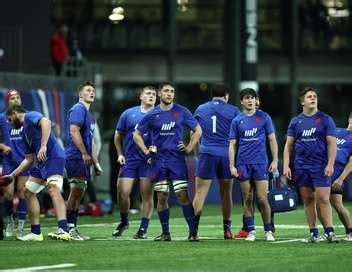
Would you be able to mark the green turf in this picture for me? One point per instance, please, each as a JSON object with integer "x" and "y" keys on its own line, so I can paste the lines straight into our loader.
{"x": 211, "y": 253}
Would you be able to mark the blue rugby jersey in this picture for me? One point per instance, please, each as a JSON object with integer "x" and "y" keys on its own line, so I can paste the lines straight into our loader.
{"x": 310, "y": 145}
{"x": 127, "y": 124}
{"x": 344, "y": 146}
{"x": 215, "y": 118}
{"x": 33, "y": 134}
{"x": 251, "y": 133}
{"x": 14, "y": 139}
{"x": 79, "y": 115}
{"x": 166, "y": 130}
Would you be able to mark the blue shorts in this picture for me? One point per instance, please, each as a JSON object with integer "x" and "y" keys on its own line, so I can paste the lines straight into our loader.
{"x": 210, "y": 167}
{"x": 337, "y": 172}
{"x": 252, "y": 172}
{"x": 49, "y": 168}
{"x": 313, "y": 177}
{"x": 8, "y": 169}
{"x": 168, "y": 170}
{"x": 77, "y": 169}
{"x": 134, "y": 169}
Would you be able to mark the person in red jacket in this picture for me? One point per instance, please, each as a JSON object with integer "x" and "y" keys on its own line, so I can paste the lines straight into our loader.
{"x": 59, "y": 49}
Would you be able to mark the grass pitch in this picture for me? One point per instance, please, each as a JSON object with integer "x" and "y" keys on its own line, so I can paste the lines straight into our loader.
{"x": 103, "y": 252}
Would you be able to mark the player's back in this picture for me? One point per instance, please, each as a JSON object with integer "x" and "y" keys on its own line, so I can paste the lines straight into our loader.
{"x": 215, "y": 118}
{"x": 33, "y": 135}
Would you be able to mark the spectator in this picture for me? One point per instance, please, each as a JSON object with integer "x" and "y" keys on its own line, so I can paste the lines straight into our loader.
{"x": 59, "y": 49}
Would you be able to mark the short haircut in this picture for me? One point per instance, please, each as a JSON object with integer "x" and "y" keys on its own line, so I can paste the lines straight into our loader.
{"x": 220, "y": 90}
{"x": 14, "y": 108}
{"x": 248, "y": 91}
{"x": 163, "y": 84}
{"x": 84, "y": 84}
{"x": 148, "y": 87}
{"x": 305, "y": 91}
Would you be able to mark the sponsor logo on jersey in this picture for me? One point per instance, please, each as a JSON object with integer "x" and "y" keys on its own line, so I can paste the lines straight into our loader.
{"x": 340, "y": 141}
{"x": 15, "y": 132}
{"x": 308, "y": 132}
{"x": 167, "y": 126}
{"x": 250, "y": 132}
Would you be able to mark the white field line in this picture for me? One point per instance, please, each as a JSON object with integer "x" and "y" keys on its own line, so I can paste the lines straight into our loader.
{"x": 37, "y": 268}
{"x": 136, "y": 224}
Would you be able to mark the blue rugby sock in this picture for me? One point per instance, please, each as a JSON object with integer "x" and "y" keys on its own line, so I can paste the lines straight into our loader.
{"x": 144, "y": 224}
{"x": 22, "y": 209}
{"x": 71, "y": 214}
{"x": 249, "y": 222}
{"x": 327, "y": 230}
{"x": 227, "y": 224}
{"x": 164, "y": 220}
{"x": 124, "y": 218}
{"x": 188, "y": 213}
{"x": 62, "y": 224}
{"x": 314, "y": 232}
{"x": 35, "y": 229}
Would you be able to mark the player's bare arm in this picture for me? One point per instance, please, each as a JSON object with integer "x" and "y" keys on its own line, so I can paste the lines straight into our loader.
{"x": 118, "y": 141}
{"x": 332, "y": 149}
{"x": 274, "y": 152}
{"x": 287, "y": 156}
{"x": 232, "y": 152}
{"x": 78, "y": 141}
{"x": 45, "y": 126}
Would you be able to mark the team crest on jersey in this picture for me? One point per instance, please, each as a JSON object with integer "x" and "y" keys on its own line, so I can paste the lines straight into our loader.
{"x": 241, "y": 122}
{"x": 258, "y": 120}
{"x": 318, "y": 120}
{"x": 309, "y": 132}
{"x": 176, "y": 114}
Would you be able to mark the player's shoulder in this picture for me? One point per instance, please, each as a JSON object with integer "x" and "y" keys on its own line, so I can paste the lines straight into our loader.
{"x": 78, "y": 107}
{"x": 131, "y": 110}
{"x": 261, "y": 113}
{"x": 239, "y": 117}
{"x": 323, "y": 115}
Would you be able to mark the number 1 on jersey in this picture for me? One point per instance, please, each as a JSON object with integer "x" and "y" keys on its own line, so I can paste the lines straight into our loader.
{"x": 213, "y": 117}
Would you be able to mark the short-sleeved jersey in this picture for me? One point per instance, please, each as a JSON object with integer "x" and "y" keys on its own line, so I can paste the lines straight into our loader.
{"x": 344, "y": 146}
{"x": 127, "y": 124}
{"x": 251, "y": 133}
{"x": 14, "y": 139}
{"x": 214, "y": 117}
{"x": 309, "y": 133}
{"x": 33, "y": 134}
{"x": 166, "y": 130}
{"x": 80, "y": 116}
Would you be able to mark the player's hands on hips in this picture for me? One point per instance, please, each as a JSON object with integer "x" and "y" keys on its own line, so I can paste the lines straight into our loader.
{"x": 287, "y": 172}
{"x": 97, "y": 169}
{"x": 6, "y": 180}
{"x": 41, "y": 156}
{"x": 6, "y": 150}
{"x": 273, "y": 166}
{"x": 233, "y": 171}
{"x": 121, "y": 159}
{"x": 329, "y": 170}
{"x": 87, "y": 159}
{"x": 336, "y": 185}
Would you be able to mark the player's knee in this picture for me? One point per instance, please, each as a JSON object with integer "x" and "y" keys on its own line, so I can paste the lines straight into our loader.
{"x": 162, "y": 197}
{"x": 33, "y": 188}
{"x": 79, "y": 184}
{"x": 182, "y": 197}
